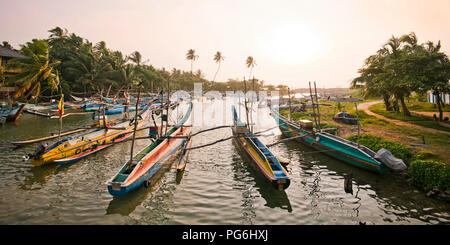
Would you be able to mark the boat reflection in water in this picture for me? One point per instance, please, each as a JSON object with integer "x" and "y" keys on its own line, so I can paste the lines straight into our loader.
{"x": 274, "y": 198}
{"x": 125, "y": 205}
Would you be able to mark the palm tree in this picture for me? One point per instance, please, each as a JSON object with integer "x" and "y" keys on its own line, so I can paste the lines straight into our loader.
{"x": 136, "y": 57}
{"x": 36, "y": 68}
{"x": 191, "y": 56}
{"x": 7, "y": 45}
{"x": 218, "y": 58}
{"x": 250, "y": 64}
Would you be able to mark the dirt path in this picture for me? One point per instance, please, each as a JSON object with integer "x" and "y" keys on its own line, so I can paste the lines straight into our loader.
{"x": 365, "y": 107}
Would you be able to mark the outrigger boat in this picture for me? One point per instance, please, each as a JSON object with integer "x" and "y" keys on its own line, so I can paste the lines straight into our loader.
{"x": 262, "y": 159}
{"x": 334, "y": 146}
{"x": 72, "y": 149}
{"x": 13, "y": 114}
{"x": 150, "y": 160}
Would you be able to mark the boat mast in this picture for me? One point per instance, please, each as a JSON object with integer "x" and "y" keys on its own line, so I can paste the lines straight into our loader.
{"x": 312, "y": 102}
{"x": 357, "y": 121}
{"x": 290, "y": 109}
{"x": 168, "y": 104}
{"x": 245, "y": 102}
{"x": 251, "y": 111}
{"x": 135, "y": 121}
{"x": 317, "y": 99}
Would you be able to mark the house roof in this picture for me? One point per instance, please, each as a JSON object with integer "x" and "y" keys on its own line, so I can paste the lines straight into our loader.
{"x": 6, "y": 52}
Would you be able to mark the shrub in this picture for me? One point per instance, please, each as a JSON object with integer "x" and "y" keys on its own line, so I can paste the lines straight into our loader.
{"x": 376, "y": 143}
{"x": 430, "y": 174}
{"x": 425, "y": 155}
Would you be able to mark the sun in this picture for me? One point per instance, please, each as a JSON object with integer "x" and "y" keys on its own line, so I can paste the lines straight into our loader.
{"x": 291, "y": 43}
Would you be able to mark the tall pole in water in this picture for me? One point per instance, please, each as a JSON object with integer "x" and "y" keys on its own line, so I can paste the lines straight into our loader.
{"x": 313, "y": 106}
{"x": 318, "y": 113}
{"x": 135, "y": 121}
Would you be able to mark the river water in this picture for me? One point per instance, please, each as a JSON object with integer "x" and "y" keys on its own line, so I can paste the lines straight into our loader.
{"x": 219, "y": 187}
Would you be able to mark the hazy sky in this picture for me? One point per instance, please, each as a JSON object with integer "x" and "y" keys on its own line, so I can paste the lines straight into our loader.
{"x": 293, "y": 42}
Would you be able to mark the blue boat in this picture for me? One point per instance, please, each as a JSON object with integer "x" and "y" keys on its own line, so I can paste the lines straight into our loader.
{"x": 148, "y": 163}
{"x": 261, "y": 158}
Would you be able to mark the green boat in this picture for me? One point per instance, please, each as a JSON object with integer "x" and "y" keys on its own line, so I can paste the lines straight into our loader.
{"x": 334, "y": 146}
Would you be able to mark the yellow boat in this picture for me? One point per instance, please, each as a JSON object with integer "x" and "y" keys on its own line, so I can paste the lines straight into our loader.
{"x": 73, "y": 146}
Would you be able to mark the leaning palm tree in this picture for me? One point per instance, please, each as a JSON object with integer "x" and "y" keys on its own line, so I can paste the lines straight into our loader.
{"x": 191, "y": 56}
{"x": 250, "y": 64}
{"x": 36, "y": 69}
{"x": 218, "y": 58}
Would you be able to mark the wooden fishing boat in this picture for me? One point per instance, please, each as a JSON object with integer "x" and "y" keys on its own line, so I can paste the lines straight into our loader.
{"x": 262, "y": 159}
{"x": 345, "y": 117}
{"x": 12, "y": 114}
{"x": 94, "y": 149}
{"x": 37, "y": 113}
{"x": 150, "y": 160}
{"x": 84, "y": 143}
{"x": 334, "y": 146}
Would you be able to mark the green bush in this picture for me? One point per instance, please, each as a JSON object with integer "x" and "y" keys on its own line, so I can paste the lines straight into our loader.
{"x": 375, "y": 143}
{"x": 431, "y": 174}
{"x": 425, "y": 155}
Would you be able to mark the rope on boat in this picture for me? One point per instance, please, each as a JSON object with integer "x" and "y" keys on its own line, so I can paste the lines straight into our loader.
{"x": 284, "y": 140}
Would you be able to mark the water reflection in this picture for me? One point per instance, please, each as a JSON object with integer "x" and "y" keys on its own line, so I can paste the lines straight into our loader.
{"x": 390, "y": 192}
{"x": 274, "y": 198}
{"x": 38, "y": 175}
{"x": 125, "y": 205}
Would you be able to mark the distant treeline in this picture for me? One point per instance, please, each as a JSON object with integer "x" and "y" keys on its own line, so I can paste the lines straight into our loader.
{"x": 72, "y": 64}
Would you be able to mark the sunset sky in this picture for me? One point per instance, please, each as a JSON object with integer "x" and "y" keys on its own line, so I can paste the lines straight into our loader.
{"x": 293, "y": 42}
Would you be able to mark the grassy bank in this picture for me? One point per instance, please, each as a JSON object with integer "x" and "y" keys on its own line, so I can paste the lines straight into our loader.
{"x": 414, "y": 119}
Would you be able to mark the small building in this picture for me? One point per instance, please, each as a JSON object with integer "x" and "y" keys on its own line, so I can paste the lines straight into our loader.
{"x": 431, "y": 98}
{"x": 6, "y": 55}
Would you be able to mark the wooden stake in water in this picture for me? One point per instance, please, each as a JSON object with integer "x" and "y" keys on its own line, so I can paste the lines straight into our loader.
{"x": 135, "y": 121}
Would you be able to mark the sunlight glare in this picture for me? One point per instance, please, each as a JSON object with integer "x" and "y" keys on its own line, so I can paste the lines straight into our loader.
{"x": 291, "y": 43}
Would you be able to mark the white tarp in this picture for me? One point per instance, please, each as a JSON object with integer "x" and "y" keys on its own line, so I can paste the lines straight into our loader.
{"x": 386, "y": 157}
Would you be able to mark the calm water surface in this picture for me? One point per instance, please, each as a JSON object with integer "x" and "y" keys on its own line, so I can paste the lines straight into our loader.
{"x": 218, "y": 186}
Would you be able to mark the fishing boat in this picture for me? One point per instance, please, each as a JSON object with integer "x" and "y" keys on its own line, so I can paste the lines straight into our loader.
{"x": 85, "y": 143}
{"x": 329, "y": 144}
{"x": 12, "y": 114}
{"x": 262, "y": 159}
{"x": 345, "y": 117}
{"x": 148, "y": 162}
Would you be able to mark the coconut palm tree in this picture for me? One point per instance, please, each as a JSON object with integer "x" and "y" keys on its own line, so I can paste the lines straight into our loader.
{"x": 36, "y": 68}
{"x": 218, "y": 58}
{"x": 136, "y": 57}
{"x": 190, "y": 55}
{"x": 250, "y": 64}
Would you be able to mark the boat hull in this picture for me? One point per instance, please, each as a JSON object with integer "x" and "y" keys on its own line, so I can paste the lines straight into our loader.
{"x": 326, "y": 144}
{"x": 257, "y": 163}
{"x": 78, "y": 157}
{"x": 153, "y": 163}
